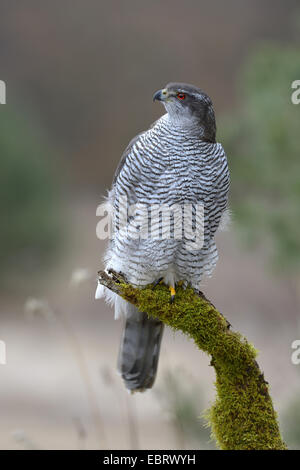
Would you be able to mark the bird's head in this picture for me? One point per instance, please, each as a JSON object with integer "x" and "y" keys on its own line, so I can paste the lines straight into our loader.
{"x": 188, "y": 105}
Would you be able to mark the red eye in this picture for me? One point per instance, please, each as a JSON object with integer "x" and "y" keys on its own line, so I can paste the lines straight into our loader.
{"x": 181, "y": 96}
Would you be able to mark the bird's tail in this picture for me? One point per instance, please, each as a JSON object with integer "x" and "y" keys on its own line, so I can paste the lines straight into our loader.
{"x": 139, "y": 349}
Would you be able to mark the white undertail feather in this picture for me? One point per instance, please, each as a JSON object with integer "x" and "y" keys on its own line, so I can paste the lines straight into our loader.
{"x": 112, "y": 299}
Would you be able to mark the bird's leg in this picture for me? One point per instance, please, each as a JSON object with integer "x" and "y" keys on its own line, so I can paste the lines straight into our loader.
{"x": 155, "y": 283}
{"x": 171, "y": 288}
{"x": 173, "y": 293}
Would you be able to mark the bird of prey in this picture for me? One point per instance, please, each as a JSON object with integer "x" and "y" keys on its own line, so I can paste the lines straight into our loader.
{"x": 175, "y": 163}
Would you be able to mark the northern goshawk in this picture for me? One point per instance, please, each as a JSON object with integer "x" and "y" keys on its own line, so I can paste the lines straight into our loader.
{"x": 175, "y": 164}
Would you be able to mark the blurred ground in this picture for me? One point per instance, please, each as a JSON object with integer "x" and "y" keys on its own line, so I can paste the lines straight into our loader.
{"x": 42, "y": 392}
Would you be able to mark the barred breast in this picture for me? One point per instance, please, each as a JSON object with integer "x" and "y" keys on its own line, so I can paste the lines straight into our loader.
{"x": 169, "y": 165}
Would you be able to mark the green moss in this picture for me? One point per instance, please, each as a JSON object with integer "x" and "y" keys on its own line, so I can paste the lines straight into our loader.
{"x": 242, "y": 416}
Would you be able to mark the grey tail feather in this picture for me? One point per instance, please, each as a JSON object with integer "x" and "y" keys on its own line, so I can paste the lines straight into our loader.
{"x": 139, "y": 349}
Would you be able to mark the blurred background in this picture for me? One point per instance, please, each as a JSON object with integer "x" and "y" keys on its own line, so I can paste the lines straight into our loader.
{"x": 80, "y": 77}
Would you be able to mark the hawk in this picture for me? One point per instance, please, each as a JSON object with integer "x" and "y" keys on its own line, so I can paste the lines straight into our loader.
{"x": 176, "y": 163}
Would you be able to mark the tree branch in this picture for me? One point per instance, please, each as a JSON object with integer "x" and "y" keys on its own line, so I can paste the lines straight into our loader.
{"x": 242, "y": 416}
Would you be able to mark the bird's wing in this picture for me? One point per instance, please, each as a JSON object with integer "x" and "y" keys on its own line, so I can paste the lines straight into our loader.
{"x": 127, "y": 152}
{"x": 220, "y": 199}
{"x": 125, "y": 155}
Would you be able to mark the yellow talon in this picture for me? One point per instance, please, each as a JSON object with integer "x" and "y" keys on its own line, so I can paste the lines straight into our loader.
{"x": 173, "y": 293}
{"x": 172, "y": 290}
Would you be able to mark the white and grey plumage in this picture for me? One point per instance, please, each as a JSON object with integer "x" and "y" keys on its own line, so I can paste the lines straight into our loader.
{"x": 176, "y": 161}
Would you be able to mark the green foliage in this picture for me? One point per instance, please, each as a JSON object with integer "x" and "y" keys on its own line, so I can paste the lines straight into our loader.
{"x": 30, "y": 228}
{"x": 263, "y": 146}
{"x": 242, "y": 416}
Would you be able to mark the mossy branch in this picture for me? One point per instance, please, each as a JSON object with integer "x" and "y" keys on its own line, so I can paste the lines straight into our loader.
{"x": 242, "y": 416}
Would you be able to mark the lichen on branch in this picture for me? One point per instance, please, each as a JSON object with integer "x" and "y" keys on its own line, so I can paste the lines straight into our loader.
{"x": 242, "y": 417}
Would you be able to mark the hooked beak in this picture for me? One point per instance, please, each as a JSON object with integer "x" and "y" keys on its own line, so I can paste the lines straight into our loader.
{"x": 160, "y": 95}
